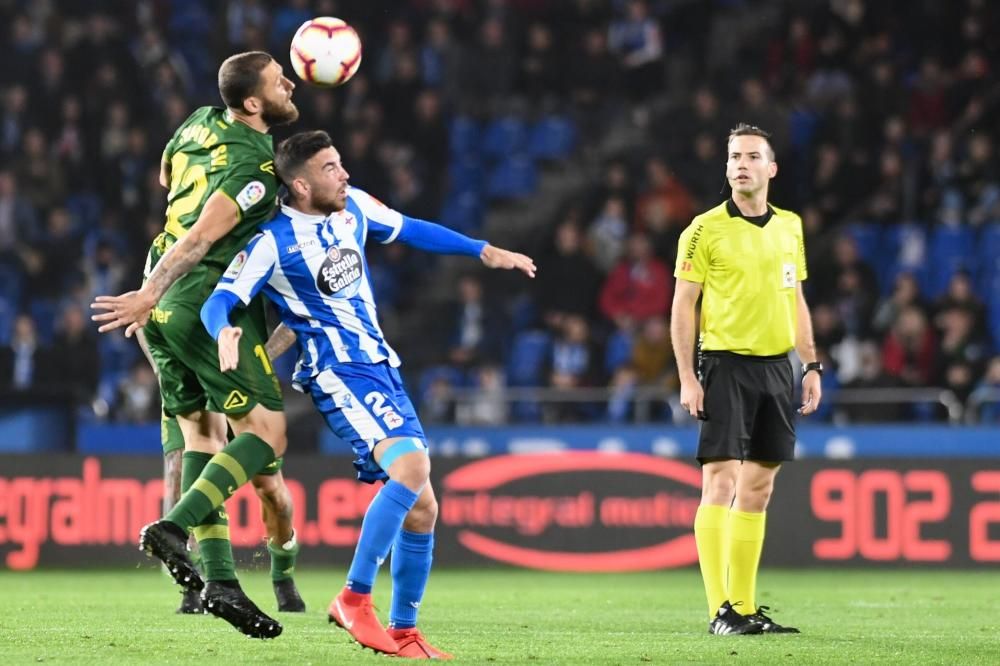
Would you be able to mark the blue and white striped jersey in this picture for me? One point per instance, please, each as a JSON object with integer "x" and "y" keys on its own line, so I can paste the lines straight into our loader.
{"x": 313, "y": 269}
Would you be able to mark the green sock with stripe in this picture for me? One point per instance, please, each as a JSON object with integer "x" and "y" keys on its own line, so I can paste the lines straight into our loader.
{"x": 215, "y": 552}
{"x": 224, "y": 473}
{"x": 283, "y": 558}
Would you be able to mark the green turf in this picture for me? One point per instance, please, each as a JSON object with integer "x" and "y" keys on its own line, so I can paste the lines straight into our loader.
{"x": 517, "y": 617}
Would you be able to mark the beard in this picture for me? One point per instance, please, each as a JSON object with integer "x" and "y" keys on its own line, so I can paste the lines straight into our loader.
{"x": 275, "y": 114}
{"x": 328, "y": 203}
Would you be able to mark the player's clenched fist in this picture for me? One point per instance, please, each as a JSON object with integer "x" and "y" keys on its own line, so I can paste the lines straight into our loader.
{"x": 229, "y": 348}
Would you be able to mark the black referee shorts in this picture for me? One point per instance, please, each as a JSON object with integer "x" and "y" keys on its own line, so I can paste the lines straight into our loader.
{"x": 749, "y": 407}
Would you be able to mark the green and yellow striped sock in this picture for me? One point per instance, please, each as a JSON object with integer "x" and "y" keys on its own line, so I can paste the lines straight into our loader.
{"x": 283, "y": 558}
{"x": 227, "y": 470}
{"x": 215, "y": 552}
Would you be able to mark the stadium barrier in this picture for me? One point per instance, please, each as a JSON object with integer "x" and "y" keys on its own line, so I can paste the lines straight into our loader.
{"x": 570, "y": 510}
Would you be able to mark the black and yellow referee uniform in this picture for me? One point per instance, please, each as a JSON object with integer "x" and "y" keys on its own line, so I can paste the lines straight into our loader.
{"x": 749, "y": 269}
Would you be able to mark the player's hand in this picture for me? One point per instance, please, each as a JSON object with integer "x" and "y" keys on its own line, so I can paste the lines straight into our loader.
{"x": 229, "y": 347}
{"x": 495, "y": 257}
{"x": 812, "y": 392}
{"x": 693, "y": 397}
{"x": 130, "y": 309}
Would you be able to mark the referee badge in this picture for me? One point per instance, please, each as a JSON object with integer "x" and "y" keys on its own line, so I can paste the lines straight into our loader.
{"x": 788, "y": 275}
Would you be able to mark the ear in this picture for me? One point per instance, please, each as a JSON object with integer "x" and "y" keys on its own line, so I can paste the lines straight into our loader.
{"x": 252, "y": 105}
{"x": 300, "y": 188}
{"x": 772, "y": 169}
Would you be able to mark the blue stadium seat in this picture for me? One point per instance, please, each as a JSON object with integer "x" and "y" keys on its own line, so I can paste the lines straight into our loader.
{"x": 504, "y": 137}
{"x": 464, "y": 136}
{"x": 528, "y": 358}
{"x": 467, "y": 174}
{"x": 8, "y": 311}
{"x": 512, "y": 178}
{"x": 523, "y": 313}
{"x": 44, "y": 312}
{"x": 988, "y": 254}
{"x": 618, "y": 351}
{"x": 10, "y": 285}
{"x": 868, "y": 239}
{"x": 463, "y": 211}
{"x": 951, "y": 249}
{"x": 904, "y": 248}
{"x": 552, "y": 138}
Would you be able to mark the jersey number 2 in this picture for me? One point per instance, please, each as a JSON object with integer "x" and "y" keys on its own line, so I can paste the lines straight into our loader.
{"x": 182, "y": 177}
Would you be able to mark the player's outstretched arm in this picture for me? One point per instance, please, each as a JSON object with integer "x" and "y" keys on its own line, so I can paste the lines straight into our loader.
{"x": 131, "y": 309}
{"x": 281, "y": 339}
{"x": 436, "y": 238}
{"x": 495, "y": 257}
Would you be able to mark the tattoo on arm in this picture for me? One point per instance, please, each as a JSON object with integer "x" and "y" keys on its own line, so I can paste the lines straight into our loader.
{"x": 177, "y": 262}
{"x": 279, "y": 342}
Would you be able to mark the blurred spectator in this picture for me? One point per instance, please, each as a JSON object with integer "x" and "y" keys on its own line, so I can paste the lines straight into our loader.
{"x": 540, "y": 69}
{"x": 664, "y": 196}
{"x": 908, "y": 351}
{"x": 488, "y": 406}
{"x": 639, "y": 288}
{"x": 138, "y": 399}
{"x": 574, "y": 359}
{"x": 594, "y": 83}
{"x": 653, "y": 355}
{"x": 570, "y": 280}
{"x": 75, "y": 350}
{"x": 960, "y": 296}
{"x": 607, "y": 233}
{"x": 905, "y": 294}
{"x": 987, "y": 393}
{"x": 18, "y": 221}
{"x": 25, "y": 363}
{"x": 638, "y": 42}
{"x": 871, "y": 375}
{"x": 476, "y": 325}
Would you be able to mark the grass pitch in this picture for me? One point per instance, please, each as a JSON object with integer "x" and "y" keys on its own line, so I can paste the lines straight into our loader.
{"x": 518, "y": 617}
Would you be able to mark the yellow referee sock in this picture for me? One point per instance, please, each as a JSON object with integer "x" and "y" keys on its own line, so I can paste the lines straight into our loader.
{"x": 711, "y": 527}
{"x": 746, "y": 541}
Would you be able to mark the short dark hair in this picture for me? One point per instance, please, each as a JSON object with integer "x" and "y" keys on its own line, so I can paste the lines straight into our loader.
{"x": 746, "y": 129}
{"x": 239, "y": 77}
{"x": 296, "y": 150}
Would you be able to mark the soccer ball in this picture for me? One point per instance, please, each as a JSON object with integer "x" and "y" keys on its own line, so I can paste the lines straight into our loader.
{"x": 325, "y": 52}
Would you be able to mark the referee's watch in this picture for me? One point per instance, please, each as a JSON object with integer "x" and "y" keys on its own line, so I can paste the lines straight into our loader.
{"x": 815, "y": 366}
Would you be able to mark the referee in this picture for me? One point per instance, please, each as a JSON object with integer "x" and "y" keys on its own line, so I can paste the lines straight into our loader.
{"x": 747, "y": 260}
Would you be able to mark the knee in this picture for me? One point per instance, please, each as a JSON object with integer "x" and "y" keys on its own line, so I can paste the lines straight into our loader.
{"x": 412, "y": 470}
{"x": 719, "y": 489}
{"x": 423, "y": 515}
{"x": 755, "y": 497}
{"x": 406, "y": 461}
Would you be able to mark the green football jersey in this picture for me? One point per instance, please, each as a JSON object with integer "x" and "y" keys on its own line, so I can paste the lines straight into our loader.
{"x": 211, "y": 152}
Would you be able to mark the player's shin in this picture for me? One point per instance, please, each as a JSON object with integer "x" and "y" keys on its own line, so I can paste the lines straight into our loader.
{"x": 746, "y": 541}
{"x": 412, "y": 556}
{"x": 379, "y": 529}
{"x": 711, "y": 525}
{"x": 241, "y": 459}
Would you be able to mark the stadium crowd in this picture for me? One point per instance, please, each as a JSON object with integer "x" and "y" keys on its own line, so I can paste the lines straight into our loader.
{"x": 887, "y": 155}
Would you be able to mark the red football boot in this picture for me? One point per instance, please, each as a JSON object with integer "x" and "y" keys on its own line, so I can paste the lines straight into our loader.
{"x": 354, "y": 612}
{"x": 413, "y": 645}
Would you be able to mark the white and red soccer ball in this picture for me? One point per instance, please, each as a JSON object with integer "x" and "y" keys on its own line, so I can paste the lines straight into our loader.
{"x": 325, "y": 52}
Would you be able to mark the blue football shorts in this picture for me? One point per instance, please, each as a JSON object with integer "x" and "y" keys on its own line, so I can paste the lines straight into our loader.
{"x": 364, "y": 404}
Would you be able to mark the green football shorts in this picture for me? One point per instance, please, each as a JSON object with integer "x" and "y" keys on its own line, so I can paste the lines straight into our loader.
{"x": 188, "y": 361}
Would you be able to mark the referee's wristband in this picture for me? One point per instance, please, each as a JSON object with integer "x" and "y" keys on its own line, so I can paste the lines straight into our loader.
{"x": 814, "y": 366}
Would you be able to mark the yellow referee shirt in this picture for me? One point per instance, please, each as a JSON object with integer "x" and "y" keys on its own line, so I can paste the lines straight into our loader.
{"x": 749, "y": 272}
